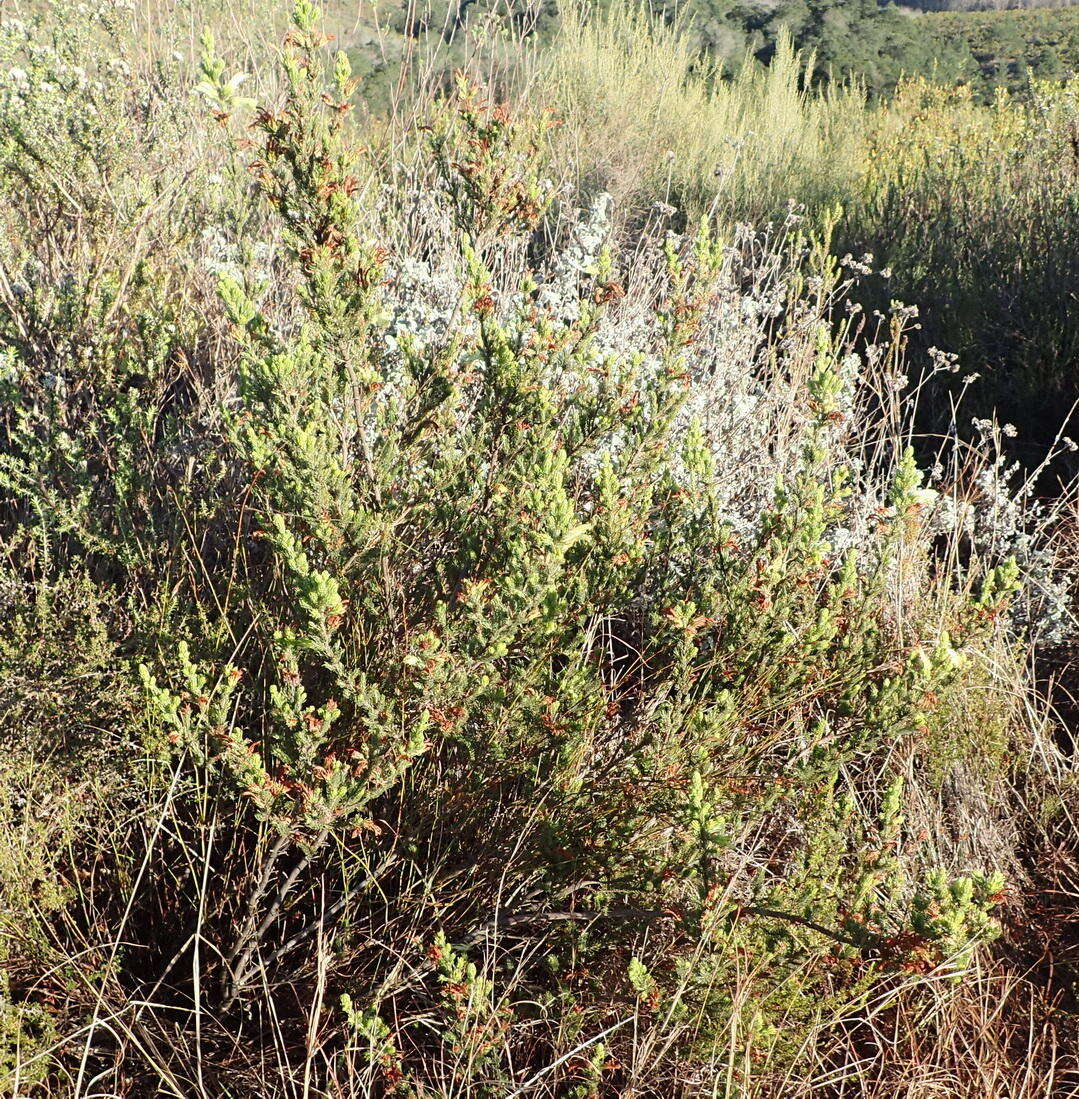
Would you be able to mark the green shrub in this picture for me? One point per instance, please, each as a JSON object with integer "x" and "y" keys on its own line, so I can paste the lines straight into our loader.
{"x": 515, "y": 642}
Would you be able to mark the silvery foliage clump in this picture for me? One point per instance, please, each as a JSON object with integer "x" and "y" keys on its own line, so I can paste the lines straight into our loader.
{"x": 1002, "y": 517}
{"x": 997, "y": 513}
{"x": 578, "y": 260}
{"x": 749, "y": 401}
{"x": 749, "y": 394}
{"x": 222, "y": 256}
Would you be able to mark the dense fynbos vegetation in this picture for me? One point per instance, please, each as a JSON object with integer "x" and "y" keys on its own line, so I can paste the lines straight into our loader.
{"x": 1006, "y": 49}
{"x": 480, "y": 618}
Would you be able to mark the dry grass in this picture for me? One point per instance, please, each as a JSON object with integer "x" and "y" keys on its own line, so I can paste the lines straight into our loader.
{"x": 644, "y": 117}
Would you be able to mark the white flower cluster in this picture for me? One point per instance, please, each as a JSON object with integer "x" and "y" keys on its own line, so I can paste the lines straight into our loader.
{"x": 1004, "y": 522}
